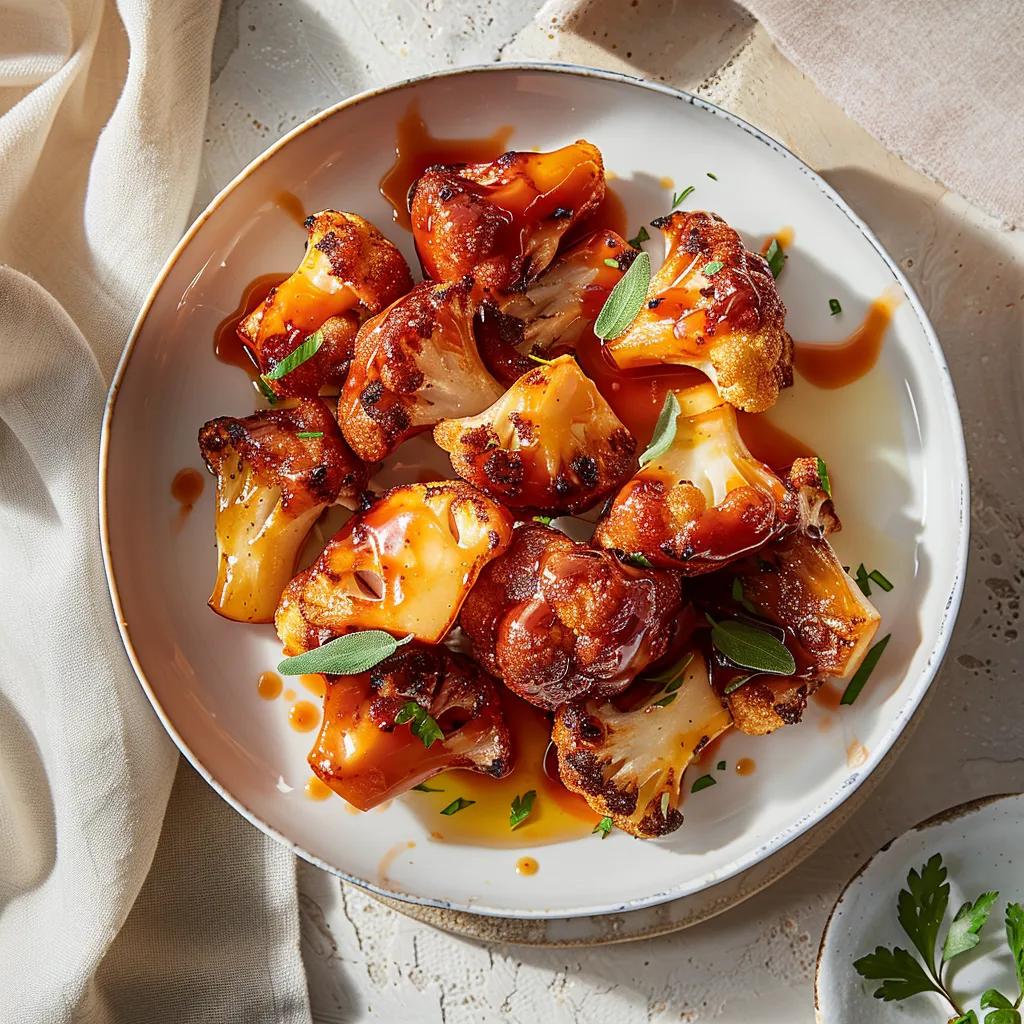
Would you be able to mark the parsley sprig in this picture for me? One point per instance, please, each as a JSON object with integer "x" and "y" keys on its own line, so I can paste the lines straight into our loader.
{"x": 921, "y": 909}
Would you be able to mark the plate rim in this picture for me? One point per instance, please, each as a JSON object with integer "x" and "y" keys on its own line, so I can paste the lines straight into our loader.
{"x": 952, "y": 410}
{"x": 937, "y": 820}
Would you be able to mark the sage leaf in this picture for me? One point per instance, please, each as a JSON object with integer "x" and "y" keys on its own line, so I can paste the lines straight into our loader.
{"x": 626, "y": 298}
{"x": 749, "y": 647}
{"x": 347, "y": 655}
{"x": 664, "y": 430}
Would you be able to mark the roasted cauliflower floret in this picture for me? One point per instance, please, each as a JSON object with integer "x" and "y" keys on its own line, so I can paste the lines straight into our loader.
{"x": 551, "y": 443}
{"x": 415, "y": 365}
{"x": 629, "y": 764}
{"x": 712, "y": 305}
{"x": 796, "y": 586}
{"x": 350, "y": 271}
{"x": 502, "y": 221}
{"x": 706, "y": 501}
{"x": 556, "y": 310}
{"x": 557, "y": 620}
{"x": 276, "y": 472}
{"x": 367, "y": 757}
{"x": 404, "y": 565}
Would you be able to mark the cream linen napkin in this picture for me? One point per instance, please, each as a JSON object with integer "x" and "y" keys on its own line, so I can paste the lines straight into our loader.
{"x": 938, "y": 82}
{"x": 102, "y": 110}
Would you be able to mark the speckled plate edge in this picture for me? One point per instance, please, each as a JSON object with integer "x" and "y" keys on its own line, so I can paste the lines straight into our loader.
{"x": 950, "y": 814}
{"x": 902, "y": 715}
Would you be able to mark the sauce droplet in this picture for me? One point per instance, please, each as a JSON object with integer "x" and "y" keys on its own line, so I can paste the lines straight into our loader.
{"x": 304, "y": 716}
{"x": 835, "y": 366}
{"x": 856, "y": 754}
{"x": 269, "y": 685}
{"x": 293, "y": 206}
{"x": 317, "y": 789}
{"x": 746, "y": 766}
{"x": 527, "y": 866}
{"x": 289, "y": 694}
{"x": 416, "y": 149}
{"x": 315, "y": 683}
{"x": 186, "y": 487}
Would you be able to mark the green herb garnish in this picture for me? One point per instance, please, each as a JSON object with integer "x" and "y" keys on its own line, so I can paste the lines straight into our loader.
{"x": 863, "y": 580}
{"x": 458, "y": 804}
{"x": 740, "y": 597}
{"x": 521, "y": 807}
{"x": 639, "y": 238}
{"x": 921, "y": 909}
{"x": 308, "y": 348}
{"x": 424, "y": 788}
{"x": 635, "y": 558}
{"x": 614, "y": 264}
{"x": 712, "y": 175}
{"x": 265, "y": 390}
{"x": 751, "y": 647}
{"x": 544, "y": 520}
{"x": 712, "y": 268}
{"x": 678, "y": 197}
{"x": 603, "y": 827}
{"x": 878, "y": 577}
{"x": 823, "y": 477}
{"x": 720, "y": 766}
{"x": 664, "y": 430}
{"x": 834, "y": 309}
{"x": 309, "y": 435}
{"x": 867, "y": 666}
{"x": 421, "y": 725}
{"x": 703, "y": 783}
{"x": 348, "y": 655}
{"x": 539, "y": 359}
{"x": 775, "y": 257}
{"x": 736, "y": 683}
{"x": 625, "y": 299}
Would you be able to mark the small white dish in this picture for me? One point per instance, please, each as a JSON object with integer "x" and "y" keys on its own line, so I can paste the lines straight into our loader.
{"x": 982, "y": 847}
{"x": 892, "y": 440}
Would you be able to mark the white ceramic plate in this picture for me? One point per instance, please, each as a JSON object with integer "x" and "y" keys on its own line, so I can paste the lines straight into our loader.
{"x": 980, "y": 843}
{"x": 892, "y": 440}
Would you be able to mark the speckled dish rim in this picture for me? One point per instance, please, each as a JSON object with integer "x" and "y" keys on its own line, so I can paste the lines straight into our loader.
{"x": 958, "y": 456}
{"x": 950, "y": 814}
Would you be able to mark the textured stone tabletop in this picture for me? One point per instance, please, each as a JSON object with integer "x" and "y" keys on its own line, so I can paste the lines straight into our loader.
{"x": 278, "y": 61}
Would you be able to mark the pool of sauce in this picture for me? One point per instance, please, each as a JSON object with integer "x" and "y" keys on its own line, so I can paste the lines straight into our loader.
{"x": 557, "y": 814}
{"x": 416, "y": 149}
{"x": 838, "y": 364}
{"x": 315, "y": 683}
{"x": 228, "y": 346}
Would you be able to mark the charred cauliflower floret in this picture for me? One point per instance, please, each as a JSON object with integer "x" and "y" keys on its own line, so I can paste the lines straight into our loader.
{"x": 712, "y": 305}
{"x": 404, "y": 565}
{"x": 350, "y": 271}
{"x": 557, "y": 620}
{"x": 555, "y": 311}
{"x": 415, "y": 365}
{"x": 502, "y": 221}
{"x": 797, "y": 587}
{"x": 706, "y": 501}
{"x": 276, "y": 472}
{"x": 367, "y": 757}
{"x": 629, "y": 764}
{"x": 551, "y": 443}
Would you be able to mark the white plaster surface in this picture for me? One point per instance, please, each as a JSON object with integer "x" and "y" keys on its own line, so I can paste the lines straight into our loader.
{"x": 278, "y": 61}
